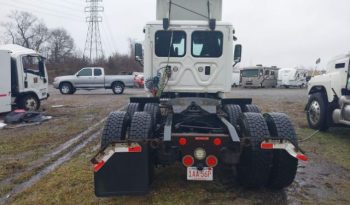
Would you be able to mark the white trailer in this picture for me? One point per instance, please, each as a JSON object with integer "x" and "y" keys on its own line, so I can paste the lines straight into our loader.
{"x": 5, "y": 81}
{"x": 23, "y": 79}
{"x": 291, "y": 77}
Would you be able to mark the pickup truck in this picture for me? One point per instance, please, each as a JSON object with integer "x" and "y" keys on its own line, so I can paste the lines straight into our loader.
{"x": 91, "y": 78}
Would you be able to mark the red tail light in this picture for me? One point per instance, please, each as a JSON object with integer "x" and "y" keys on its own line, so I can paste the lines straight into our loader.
{"x": 187, "y": 161}
{"x": 98, "y": 166}
{"x": 212, "y": 161}
{"x": 217, "y": 141}
{"x": 182, "y": 141}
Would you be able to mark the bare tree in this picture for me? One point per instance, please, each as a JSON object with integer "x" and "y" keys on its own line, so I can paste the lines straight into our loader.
{"x": 60, "y": 45}
{"x": 26, "y": 30}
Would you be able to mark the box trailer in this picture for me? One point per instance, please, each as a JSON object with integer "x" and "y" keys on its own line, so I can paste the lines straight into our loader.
{"x": 5, "y": 81}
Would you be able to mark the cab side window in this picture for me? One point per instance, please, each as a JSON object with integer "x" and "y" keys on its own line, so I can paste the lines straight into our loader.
{"x": 97, "y": 72}
{"x": 31, "y": 64}
{"x": 85, "y": 72}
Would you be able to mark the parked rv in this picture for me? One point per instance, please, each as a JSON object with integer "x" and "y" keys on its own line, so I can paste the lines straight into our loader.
{"x": 291, "y": 77}
{"x": 23, "y": 78}
{"x": 236, "y": 78}
{"x": 259, "y": 76}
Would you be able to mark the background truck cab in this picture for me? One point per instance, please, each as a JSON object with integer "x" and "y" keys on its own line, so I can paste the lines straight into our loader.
{"x": 23, "y": 78}
{"x": 329, "y": 95}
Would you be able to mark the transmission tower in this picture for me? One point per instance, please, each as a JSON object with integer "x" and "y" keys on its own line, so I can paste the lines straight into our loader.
{"x": 93, "y": 45}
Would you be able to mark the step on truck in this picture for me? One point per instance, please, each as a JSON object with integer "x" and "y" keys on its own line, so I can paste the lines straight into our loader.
{"x": 23, "y": 78}
{"x": 188, "y": 56}
{"x": 329, "y": 96}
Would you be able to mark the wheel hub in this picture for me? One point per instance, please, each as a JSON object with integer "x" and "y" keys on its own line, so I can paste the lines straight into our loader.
{"x": 315, "y": 112}
{"x": 118, "y": 89}
{"x": 31, "y": 104}
{"x": 65, "y": 89}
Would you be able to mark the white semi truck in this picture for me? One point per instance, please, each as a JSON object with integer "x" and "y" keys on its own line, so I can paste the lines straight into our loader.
{"x": 23, "y": 78}
{"x": 329, "y": 95}
{"x": 186, "y": 118}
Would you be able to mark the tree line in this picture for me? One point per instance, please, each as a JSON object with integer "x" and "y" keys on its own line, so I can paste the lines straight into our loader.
{"x": 58, "y": 46}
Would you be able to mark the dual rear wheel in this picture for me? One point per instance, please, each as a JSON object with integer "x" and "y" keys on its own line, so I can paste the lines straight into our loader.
{"x": 257, "y": 168}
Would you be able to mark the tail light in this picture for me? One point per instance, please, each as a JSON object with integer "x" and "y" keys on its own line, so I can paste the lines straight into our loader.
{"x": 182, "y": 141}
{"x": 212, "y": 161}
{"x": 217, "y": 141}
{"x": 187, "y": 161}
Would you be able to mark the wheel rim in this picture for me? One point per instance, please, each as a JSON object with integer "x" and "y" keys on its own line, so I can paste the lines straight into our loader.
{"x": 314, "y": 112}
{"x": 118, "y": 89}
{"x": 65, "y": 89}
{"x": 31, "y": 104}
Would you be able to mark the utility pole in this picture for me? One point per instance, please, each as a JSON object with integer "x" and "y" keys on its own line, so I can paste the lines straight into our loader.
{"x": 93, "y": 45}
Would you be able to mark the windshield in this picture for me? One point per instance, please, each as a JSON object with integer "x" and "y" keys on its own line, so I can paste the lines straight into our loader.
{"x": 162, "y": 43}
{"x": 207, "y": 44}
{"x": 250, "y": 73}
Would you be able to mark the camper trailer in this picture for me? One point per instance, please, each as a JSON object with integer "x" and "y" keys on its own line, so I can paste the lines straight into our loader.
{"x": 291, "y": 77}
{"x": 23, "y": 79}
{"x": 259, "y": 77}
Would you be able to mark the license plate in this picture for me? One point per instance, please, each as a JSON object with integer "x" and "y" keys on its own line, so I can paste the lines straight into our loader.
{"x": 194, "y": 174}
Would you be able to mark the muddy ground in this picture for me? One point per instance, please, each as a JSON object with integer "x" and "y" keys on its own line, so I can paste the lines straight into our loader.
{"x": 44, "y": 165}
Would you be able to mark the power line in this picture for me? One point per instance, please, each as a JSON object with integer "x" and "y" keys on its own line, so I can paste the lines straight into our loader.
{"x": 24, "y": 8}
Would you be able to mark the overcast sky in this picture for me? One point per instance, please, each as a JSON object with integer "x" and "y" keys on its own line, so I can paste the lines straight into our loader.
{"x": 285, "y": 33}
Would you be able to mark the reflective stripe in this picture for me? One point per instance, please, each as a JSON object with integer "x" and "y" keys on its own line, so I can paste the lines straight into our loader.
{"x": 283, "y": 145}
{"x": 3, "y": 95}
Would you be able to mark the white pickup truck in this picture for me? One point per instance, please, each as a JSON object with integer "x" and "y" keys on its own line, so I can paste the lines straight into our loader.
{"x": 93, "y": 78}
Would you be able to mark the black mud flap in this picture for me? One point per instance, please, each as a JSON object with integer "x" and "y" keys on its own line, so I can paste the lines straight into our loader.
{"x": 126, "y": 173}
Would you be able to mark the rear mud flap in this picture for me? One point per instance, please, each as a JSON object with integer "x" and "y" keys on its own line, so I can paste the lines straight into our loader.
{"x": 123, "y": 173}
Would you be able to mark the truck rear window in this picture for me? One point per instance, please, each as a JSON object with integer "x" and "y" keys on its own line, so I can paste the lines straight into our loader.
{"x": 207, "y": 44}
{"x": 170, "y": 43}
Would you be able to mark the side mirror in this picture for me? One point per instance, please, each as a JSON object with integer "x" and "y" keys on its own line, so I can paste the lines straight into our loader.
{"x": 42, "y": 68}
{"x": 238, "y": 53}
{"x": 138, "y": 52}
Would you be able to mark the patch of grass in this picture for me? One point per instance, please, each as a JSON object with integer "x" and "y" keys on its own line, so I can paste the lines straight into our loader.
{"x": 333, "y": 145}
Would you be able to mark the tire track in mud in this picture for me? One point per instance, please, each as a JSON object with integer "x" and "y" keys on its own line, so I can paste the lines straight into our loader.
{"x": 73, "y": 146}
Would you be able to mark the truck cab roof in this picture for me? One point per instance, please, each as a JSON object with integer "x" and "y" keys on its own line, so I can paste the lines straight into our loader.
{"x": 17, "y": 49}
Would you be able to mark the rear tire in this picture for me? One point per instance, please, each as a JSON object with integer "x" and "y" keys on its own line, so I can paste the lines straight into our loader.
{"x": 140, "y": 129}
{"x": 254, "y": 167}
{"x": 132, "y": 108}
{"x": 317, "y": 112}
{"x": 115, "y": 128}
{"x": 154, "y": 110}
{"x": 233, "y": 112}
{"x": 284, "y": 166}
{"x": 118, "y": 88}
{"x": 252, "y": 108}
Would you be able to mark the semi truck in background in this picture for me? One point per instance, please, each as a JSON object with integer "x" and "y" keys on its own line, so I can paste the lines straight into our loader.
{"x": 23, "y": 78}
{"x": 329, "y": 95}
{"x": 259, "y": 77}
{"x": 291, "y": 77}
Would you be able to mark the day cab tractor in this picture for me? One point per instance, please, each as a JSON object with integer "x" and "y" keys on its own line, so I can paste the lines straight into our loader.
{"x": 329, "y": 96}
{"x": 188, "y": 56}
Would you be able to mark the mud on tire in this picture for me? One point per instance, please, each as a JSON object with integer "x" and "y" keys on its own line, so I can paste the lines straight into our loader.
{"x": 254, "y": 167}
{"x": 284, "y": 166}
{"x": 115, "y": 128}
